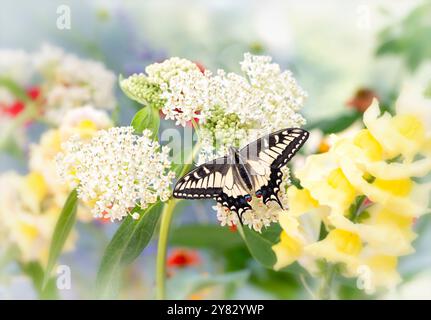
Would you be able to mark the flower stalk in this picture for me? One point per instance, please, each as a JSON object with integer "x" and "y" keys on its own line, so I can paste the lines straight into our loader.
{"x": 166, "y": 220}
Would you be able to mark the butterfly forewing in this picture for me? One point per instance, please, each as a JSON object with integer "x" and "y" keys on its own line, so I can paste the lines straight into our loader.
{"x": 267, "y": 155}
{"x": 218, "y": 179}
{"x": 206, "y": 181}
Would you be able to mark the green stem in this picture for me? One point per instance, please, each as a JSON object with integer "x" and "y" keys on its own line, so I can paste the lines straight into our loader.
{"x": 162, "y": 247}
{"x": 325, "y": 289}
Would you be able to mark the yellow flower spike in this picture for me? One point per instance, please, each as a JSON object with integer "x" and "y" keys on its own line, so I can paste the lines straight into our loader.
{"x": 414, "y": 204}
{"x": 384, "y": 237}
{"x": 338, "y": 181}
{"x": 410, "y": 127}
{"x": 388, "y": 217}
{"x": 346, "y": 241}
{"x": 288, "y": 250}
{"x": 339, "y": 246}
{"x": 326, "y": 183}
{"x": 29, "y": 231}
{"x": 37, "y": 185}
{"x": 390, "y": 171}
{"x": 300, "y": 201}
{"x": 297, "y": 232}
{"x": 379, "y": 271}
{"x": 291, "y": 241}
{"x": 401, "y": 187}
{"x": 397, "y": 135}
{"x": 371, "y": 147}
{"x": 396, "y": 171}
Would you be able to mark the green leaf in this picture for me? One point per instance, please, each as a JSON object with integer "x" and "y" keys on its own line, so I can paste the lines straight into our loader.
{"x": 146, "y": 118}
{"x": 126, "y": 245}
{"x": 338, "y": 124}
{"x": 260, "y": 245}
{"x": 64, "y": 225}
{"x": 15, "y": 89}
{"x": 211, "y": 236}
{"x": 35, "y": 272}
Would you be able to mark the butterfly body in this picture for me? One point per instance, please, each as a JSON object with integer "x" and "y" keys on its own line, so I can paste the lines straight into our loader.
{"x": 233, "y": 180}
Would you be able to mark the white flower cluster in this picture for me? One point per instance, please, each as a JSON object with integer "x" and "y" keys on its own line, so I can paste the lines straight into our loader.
{"x": 16, "y": 65}
{"x": 261, "y": 215}
{"x": 187, "y": 97}
{"x": 233, "y": 109}
{"x": 66, "y": 81}
{"x": 162, "y": 73}
{"x": 71, "y": 82}
{"x": 116, "y": 171}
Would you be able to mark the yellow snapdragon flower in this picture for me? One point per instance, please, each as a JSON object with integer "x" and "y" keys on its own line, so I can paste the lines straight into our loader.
{"x": 365, "y": 192}
{"x": 28, "y": 216}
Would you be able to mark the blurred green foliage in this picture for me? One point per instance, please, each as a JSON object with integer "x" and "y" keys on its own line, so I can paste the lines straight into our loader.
{"x": 409, "y": 38}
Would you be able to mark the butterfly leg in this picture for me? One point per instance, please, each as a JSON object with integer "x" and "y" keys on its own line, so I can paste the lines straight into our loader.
{"x": 239, "y": 215}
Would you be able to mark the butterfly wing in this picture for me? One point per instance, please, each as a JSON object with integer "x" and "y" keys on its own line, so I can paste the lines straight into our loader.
{"x": 264, "y": 158}
{"x": 206, "y": 181}
{"x": 217, "y": 179}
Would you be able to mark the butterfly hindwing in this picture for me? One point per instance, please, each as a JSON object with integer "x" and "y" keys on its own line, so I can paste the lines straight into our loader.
{"x": 233, "y": 195}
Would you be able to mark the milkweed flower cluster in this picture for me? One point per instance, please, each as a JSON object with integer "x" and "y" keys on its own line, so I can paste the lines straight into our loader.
{"x": 232, "y": 109}
{"x": 83, "y": 122}
{"x": 367, "y": 191}
{"x": 55, "y": 81}
{"x": 117, "y": 170}
{"x": 70, "y": 82}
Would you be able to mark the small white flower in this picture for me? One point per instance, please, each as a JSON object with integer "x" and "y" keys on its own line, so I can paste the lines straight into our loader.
{"x": 187, "y": 96}
{"x": 135, "y": 216}
{"x": 261, "y": 215}
{"x": 116, "y": 171}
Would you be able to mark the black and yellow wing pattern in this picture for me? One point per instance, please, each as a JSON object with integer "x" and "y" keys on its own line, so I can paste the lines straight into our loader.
{"x": 253, "y": 170}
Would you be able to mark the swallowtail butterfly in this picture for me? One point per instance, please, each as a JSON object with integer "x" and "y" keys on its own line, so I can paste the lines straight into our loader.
{"x": 254, "y": 170}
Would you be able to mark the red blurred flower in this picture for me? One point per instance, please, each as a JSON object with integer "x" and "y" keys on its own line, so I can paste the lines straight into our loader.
{"x": 13, "y": 109}
{"x": 233, "y": 228}
{"x": 16, "y": 107}
{"x": 181, "y": 258}
{"x": 200, "y": 66}
{"x": 33, "y": 93}
{"x": 362, "y": 99}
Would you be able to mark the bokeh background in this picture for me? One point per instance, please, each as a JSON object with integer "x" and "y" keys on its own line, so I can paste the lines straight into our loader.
{"x": 334, "y": 48}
